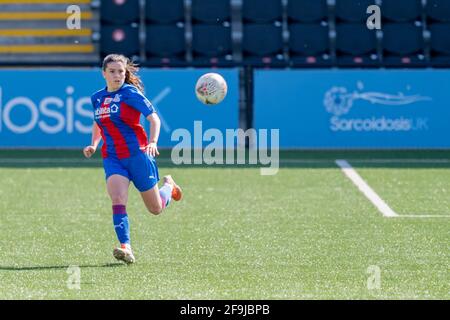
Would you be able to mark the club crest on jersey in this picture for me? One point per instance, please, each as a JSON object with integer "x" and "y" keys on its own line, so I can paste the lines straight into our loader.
{"x": 108, "y": 100}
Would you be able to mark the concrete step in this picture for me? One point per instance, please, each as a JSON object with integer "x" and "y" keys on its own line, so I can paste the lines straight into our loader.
{"x": 54, "y": 59}
{"x": 43, "y": 49}
{"x": 42, "y": 7}
{"x": 41, "y": 15}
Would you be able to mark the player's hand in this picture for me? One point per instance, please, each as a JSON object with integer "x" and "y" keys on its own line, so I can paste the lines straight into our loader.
{"x": 89, "y": 151}
{"x": 152, "y": 149}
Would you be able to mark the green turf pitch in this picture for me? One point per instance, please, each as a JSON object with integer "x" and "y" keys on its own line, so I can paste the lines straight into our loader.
{"x": 305, "y": 233}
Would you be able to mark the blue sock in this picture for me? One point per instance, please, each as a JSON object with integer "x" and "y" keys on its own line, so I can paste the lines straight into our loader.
{"x": 121, "y": 225}
{"x": 166, "y": 194}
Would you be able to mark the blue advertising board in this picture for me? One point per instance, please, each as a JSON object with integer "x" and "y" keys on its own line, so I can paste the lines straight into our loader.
{"x": 355, "y": 109}
{"x": 42, "y": 108}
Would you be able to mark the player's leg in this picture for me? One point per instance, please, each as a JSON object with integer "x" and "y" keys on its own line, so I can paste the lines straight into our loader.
{"x": 145, "y": 176}
{"x": 152, "y": 200}
{"x": 117, "y": 184}
{"x": 157, "y": 199}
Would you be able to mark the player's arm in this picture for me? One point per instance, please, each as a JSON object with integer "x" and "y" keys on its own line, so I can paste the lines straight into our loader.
{"x": 95, "y": 140}
{"x": 155, "y": 126}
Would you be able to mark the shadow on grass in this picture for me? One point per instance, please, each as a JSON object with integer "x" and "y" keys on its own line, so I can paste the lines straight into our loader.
{"x": 31, "y": 268}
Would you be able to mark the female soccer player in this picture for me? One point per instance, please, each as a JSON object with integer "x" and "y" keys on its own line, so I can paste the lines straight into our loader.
{"x": 127, "y": 156}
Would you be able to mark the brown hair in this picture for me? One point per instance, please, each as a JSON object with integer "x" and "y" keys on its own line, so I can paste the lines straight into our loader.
{"x": 131, "y": 69}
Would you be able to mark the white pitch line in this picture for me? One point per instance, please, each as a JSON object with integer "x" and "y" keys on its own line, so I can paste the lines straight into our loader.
{"x": 373, "y": 197}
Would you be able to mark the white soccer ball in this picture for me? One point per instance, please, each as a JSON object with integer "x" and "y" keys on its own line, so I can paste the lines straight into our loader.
{"x": 211, "y": 88}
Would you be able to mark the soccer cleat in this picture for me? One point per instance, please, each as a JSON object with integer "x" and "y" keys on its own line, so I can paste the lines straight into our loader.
{"x": 177, "y": 194}
{"x": 124, "y": 254}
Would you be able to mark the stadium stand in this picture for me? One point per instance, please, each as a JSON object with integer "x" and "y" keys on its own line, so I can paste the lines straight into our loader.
{"x": 402, "y": 10}
{"x": 263, "y": 45}
{"x": 262, "y": 38}
{"x": 164, "y": 12}
{"x": 227, "y": 33}
{"x": 438, "y": 10}
{"x": 440, "y": 44}
{"x": 309, "y": 45}
{"x": 356, "y": 45}
{"x": 352, "y": 11}
{"x": 122, "y": 39}
{"x": 120, "y": 21}
{"x": 261, "y": 11}
{"x": 211, "y": 46}
{"x": 168, "y": 50}
{"x": 165, "y": 34}
{"x": 403, "y": 45}
{"x": 307, "y": 11}
{"x": 211, "y": 11}
{"x": 38, "y": 32}
{"x": 359, "y": 49}
{"x": 308, "y": 30}
{"x": 211, "y": 33}
{"x": 118, "y": 12}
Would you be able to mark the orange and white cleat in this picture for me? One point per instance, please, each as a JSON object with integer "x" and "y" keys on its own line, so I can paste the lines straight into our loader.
{"x": 124, "y": 253}
{"x": 177, "y": 193}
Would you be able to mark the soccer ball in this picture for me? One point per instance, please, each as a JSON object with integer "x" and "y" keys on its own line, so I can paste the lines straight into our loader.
{"x": 211, "y": 88}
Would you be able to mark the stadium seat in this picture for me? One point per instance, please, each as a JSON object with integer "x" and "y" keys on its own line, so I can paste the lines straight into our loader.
{"x": 119, "y": 39}
{"x": 261, "y": 11}
{"x": 309, "y": 45}
{"x": 403, "y": 45}
{"x": 165, "y": 45}
{"x": 356, "y": 45}
{"x": 211, "y": 45}
{"x": 401, "y": 10}
{"x": 262, "y": 45}
{"x": 440, "y": 44}
{"x": 211, "y": 11}
{"x": 352, "y": 11}
{"x": 164, "y": 11}
{"x": 307, "y": 10}
{"x": 119, "y": 11}
{"x": 438, "y": 10}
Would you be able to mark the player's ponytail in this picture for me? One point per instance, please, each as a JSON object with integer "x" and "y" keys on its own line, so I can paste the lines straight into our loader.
{"x": 131, "y": 69}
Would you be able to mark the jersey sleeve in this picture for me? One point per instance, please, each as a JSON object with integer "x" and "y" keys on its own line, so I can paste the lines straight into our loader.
{"x": 138, "y": 101}
{"x": 93, "y": 101}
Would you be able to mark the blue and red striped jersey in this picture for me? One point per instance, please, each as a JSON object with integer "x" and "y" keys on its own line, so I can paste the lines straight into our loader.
{"x": 118, "y": 116}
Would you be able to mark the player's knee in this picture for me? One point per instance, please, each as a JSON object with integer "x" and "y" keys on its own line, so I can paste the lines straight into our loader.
{"x": 155, "y": 210}
{"x": 119, "y": 198}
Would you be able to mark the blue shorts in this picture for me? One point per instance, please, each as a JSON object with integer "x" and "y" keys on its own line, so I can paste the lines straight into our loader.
{"x": 140, "y": 168}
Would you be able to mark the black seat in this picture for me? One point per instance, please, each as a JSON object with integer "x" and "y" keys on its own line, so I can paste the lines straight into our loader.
{"x": 262, "y": 45}
{"x": 403, "y": 45}
{"x": 440, "y": 44}
{"x": 401, "y": 10}
{"x": 261, "y": 11}
{"x": 211, "y": 11}
{"x": 119, "y": 39}
{"x": 165, "y": 45}
{"x": 438, "y": 10}
{"x": 211, "y": 45}
{"x": 356, "y": 45}
{"x": 307, "y": 10}
{"x": 119, "y": 11}
{"x": 309, "y": 45}
{"x": 164, "y": 11}
{"x": 353, "y": 11}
